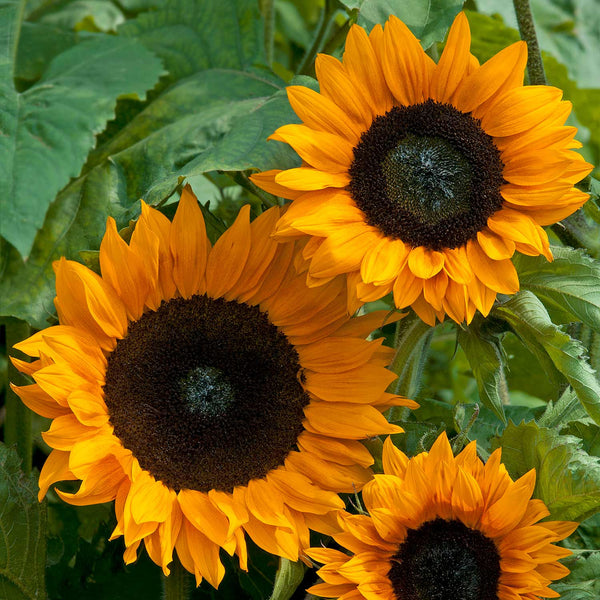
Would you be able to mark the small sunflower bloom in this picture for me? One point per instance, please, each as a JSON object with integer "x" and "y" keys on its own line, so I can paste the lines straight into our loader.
{"x": 423, "y": 179}
{"x": 206, "y": 390}
{"x": 441, "y": 527}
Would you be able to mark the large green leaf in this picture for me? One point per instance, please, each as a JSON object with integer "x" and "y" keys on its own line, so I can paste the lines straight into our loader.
{"x": 214, "y": 119}
{"x": 23, "y": 527}
{"x": 530, "y": 321}
{"x": 428, "y": 20}
{"x": 565, "y": 410}
{"x": 485, "y": 357}
{"x": 567, "y": 478}
{"x": 193, "y": 35}
{"x": 38, "y": 45}
{"x": 75, "y": 221}
{"x": 220, "y": 116}
{"x": 569, "y": 287}
{"x": 49, "y": 129}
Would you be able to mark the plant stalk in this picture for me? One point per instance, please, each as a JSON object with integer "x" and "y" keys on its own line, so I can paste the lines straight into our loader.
{"x": 535, "y": 66}
{"x": 306, "y": 66}
{"x": 412, "y": 341}
{"x": 177, "y": 585}
{"x": 267, "y": 8}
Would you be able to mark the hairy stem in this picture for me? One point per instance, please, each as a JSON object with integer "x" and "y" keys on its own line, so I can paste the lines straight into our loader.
{"x": 267, "y": 8}
{"x": 535, "y": 66}
{"x": 412, "y": 341}
{"x": 177, "y": 585}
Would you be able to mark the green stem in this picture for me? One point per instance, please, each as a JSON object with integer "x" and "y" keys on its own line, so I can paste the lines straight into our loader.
{"x": 412, "y": 341}
{"x": 337, "y": 37}
{"x": 306, "y": 66}
{"x": 267, "y": 9}
{"x": 535, "y": 66}
{"x": 17, "y": 424}
{"x": 462, "y": 439}
{"x": 566, "y": 236}
{"x": 289, "y": 577}
{"x": 242, "y": 180}
{"x": 177, "y": 585}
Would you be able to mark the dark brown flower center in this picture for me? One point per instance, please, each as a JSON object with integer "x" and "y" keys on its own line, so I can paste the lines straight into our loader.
{"x": 205, "y": 393}
{"x": 427, "y": 174}
{"x": 445, "y": 560}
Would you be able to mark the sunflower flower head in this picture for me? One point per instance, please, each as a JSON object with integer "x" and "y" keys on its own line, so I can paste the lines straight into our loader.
{"x": 206, "y": 390}
{"x": 423, "y": 179}
{"x": 442, "y": 527}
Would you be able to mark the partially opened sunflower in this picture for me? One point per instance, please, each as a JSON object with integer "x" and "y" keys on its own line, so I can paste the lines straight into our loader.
{"x": 441, "y": 527}
{"x": 422, "y": 179}
{"x": 206, "y": 390}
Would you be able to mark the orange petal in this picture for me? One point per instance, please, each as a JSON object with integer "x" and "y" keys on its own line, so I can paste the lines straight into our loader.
{"x": 485, "y": 82}
{"x": 499, "y": 275}
{"x": 520, "y": 109}
{"x": 266, "y": 181}
{"x": 228, "y": 258}
{"x": 454, "y": 62}
{"x": 425, "y": 263}
{"x": 321, "y": 150}
{"x": 123, "y": 270}
{"x": 321, "y": 113}
{"x": 188, "y": 243}
{"x": 86, "y": 301}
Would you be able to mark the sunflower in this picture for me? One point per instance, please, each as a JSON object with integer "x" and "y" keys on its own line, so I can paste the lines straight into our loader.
{"x": 206, "y": 390}
{"x": 422, "y": 179}
{"x": 442, "y": 527}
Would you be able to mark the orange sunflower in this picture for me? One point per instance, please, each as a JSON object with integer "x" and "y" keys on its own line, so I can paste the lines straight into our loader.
{"x": 422, "y": 179}
{"x": 206, "y": 390}
{"x": 442, "y": 527}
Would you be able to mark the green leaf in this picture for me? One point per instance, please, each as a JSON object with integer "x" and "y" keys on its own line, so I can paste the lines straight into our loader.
{"x": 429, "y": 20}
{"x": 192, "y": 119}
{"x": 583, "y": 582}
{"x": 214, "y": 119}
{"x": 485, "y": 357}
{"x": 23, "y": 526}
{"x": 289, "y": 577}
{"x": 75, "y": 221}
{"x": 567, "y": 478}
{"x": 530, "y": 321}
{"x": 588, "y": 433}
{"x": 569, "y": 287}
{"x": 92, "y": 15}
{"x": 38, "y": 45}
{"x": 193, "y": 35}
{"x": 411, "y": 342}
{"x": 240, "y": 145}
{"x": 50, "y": 128}
{"x": 565, "y": 410}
